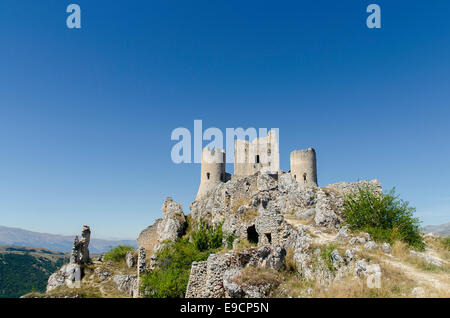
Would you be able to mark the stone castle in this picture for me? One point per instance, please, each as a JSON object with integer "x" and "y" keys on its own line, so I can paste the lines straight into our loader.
{"x": 260, "y": 155}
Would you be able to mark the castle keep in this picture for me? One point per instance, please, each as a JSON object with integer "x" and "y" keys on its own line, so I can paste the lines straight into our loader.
{"x": 260, "y": 155}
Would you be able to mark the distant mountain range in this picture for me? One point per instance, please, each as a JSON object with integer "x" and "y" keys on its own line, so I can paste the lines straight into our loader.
{"x": 62, "y": 243}
{"x": 443, "y": 229}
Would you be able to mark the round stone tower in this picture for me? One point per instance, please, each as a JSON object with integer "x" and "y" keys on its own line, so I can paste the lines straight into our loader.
{"x": 303, "y": 166}
{"x": 212, "y": 171}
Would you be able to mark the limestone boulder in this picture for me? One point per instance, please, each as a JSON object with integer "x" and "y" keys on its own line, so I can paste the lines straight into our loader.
{"x": 386, "y": 247}
{"x": 126, "y": 284}
{"x": 68, "y": 275}
{"x": 101, "y": 273}
{"x": 371, "y": 245}
{"x": 129, "y": 258}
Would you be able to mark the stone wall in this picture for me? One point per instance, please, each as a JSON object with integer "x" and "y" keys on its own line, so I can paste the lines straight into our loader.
{"x": 148, "y": 238}
{"x": 206, "y": 279}
{"x": 168, "y": 228}
{"x": 197, "y": 279}
{"x": 262, "y": 154}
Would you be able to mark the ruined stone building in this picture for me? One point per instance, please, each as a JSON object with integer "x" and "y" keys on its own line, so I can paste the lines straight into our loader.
{"x": 260, "y": 155}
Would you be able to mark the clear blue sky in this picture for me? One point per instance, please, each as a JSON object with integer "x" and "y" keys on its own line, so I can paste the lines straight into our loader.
{"x": 86, "y": 115}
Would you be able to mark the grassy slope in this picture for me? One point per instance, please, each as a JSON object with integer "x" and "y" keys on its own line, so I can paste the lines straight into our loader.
{"x": 23, "y": 269}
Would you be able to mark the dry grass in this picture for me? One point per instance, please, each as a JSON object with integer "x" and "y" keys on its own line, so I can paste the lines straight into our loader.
{"x": 236, "y": 203}
{"x": 394, "y": 284}
{"x": 291, "y": 266}
{"x": 258, "y": 276}
{"x": 440, "y": 245}
{"x": 243, "y": 244}
{"x": 292, "y": 219}
{"x": 91, "y": 285}
{"x": 401, "y": 251}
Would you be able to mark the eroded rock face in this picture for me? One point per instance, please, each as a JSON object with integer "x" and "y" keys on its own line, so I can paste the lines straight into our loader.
{"x": 80, "y": 249}
{"x": 126, "y": 284}
{"x": 173, "y": 223}
{"x": 169, "y": 228}
{"x": 327, "y": 205}
{"x": 102, "y": 273}
{"x": 68, "y": 275}
{"x": 427, "y": 258}
{"x": 371, "y": 245}
{"x": 129, "y": 258}
{"x": 236, "y": 201}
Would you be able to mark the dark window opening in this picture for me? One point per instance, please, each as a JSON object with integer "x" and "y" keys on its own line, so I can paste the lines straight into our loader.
{"x": 208, "y": 175}
{"x": 252, "y": 235}
{"x": 269, "y": 237}
{"x": 257, "y": 159}
{"x": 304, "y": 177}
{"x": 295, "y": 176}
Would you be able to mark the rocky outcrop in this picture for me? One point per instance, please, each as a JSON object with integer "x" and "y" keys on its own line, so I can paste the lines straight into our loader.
{"x": 102, "y": 274}
{"x": 80, "y": 249}
{"x": 351, "y": 187}
{"x": 129, "y": 259}
{"x": 427, "y": 258}
{"x": 236, "y": 202}
{"x": 173, "y": 223}
{"x": 169, "y": 228}
{"x": 68, "y": 275}
{"x": 126, "y": 284}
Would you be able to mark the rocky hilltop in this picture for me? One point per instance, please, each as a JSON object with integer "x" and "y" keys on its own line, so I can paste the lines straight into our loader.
{"x": 280, "y": 238}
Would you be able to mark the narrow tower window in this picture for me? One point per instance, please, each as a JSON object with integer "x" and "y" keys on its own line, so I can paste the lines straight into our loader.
{"x": 257, "y": 158}
{"x": 304, "y": 177}
{"x": 208, "y": 175}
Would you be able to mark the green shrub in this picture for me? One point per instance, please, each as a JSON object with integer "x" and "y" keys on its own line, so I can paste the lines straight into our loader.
{"x": 117, "y": 254}
{"x": 174, "y": 260}
{"x": 170, "y": 278}
{"x": 207, "y": 238}
{"x": 230, "y": 240}
{"x": 384, "y": 216}
{"x": 326, "y": 254}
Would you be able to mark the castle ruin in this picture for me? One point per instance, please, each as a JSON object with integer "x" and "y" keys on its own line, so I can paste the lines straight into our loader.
{"x": 260, "y": 155}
